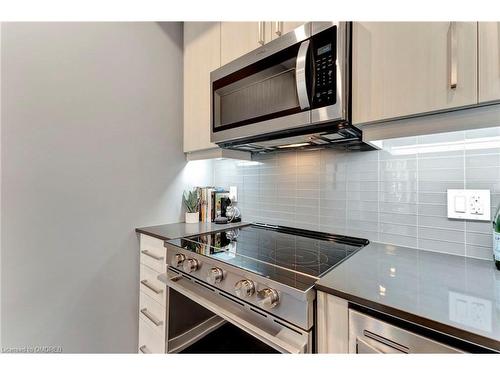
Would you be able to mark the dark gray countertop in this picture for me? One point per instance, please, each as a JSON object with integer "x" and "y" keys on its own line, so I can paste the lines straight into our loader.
{"x": 452, "y": 294}
{"x": 177, "y": 230}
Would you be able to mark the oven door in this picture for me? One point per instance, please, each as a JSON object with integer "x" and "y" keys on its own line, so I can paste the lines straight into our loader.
{"x": 266, "y": 91}
{"x": 219, "y": 307}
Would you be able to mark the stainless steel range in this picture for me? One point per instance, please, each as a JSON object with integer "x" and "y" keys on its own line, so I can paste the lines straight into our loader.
{"x": 258, "y": 277}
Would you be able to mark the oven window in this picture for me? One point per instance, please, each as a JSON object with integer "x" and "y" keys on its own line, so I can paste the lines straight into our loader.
{"x": 259, "y": 92}
{"x": 229, "y": 339}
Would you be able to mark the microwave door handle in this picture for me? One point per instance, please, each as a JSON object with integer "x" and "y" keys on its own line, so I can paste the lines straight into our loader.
{"x": 300, "y": 75}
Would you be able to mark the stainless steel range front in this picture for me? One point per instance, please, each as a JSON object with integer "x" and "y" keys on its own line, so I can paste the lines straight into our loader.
{"x": 259, "y": 278}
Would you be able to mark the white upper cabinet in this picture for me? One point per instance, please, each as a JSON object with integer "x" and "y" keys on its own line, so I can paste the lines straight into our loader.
{"x": 409, "y": 68}
{"x": 202, "y": 54}
{"x": 278, "y": 28}
{"x": 239, "y": 38}
{"x": 489, "y": 61}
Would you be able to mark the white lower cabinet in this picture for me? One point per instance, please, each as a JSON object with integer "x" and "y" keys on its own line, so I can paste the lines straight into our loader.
{"x": 151, "y": 286}
{"x": 332, "y": 334}
{"x": 152, "y": 296}
{"x": 152, "y": 313}
{"x": 150, "y": 342}
{"x": 153, "y": 253}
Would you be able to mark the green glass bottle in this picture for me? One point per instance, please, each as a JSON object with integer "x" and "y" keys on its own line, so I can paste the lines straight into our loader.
{"x": 496, "y": 238}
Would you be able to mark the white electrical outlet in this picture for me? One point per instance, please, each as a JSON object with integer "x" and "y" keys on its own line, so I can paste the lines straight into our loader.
{"x": 233, "y": 194}
{"x": 476, "y": 204}
{"x": 469, "y": 204}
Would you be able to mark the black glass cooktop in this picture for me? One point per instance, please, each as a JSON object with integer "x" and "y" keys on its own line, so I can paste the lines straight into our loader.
{"x": 293, "y": 256}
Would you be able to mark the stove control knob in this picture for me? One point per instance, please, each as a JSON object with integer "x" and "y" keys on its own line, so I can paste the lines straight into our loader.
{"x": 244, "y": 288}
{"x": 268, "y": 297}
{"x": 177, "y": 260}
{"x": 215, "y": 275}
{"x": 190, "y": 265}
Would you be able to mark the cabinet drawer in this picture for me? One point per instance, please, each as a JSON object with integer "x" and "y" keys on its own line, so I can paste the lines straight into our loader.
{"x": 150, "y": 285}
{"x": 152, "y": 313}
{"x": 153, "y": 253}
{"x": 149, "y": 340}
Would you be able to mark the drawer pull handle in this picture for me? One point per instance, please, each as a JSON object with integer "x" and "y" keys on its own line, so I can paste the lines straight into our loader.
{"x": 151, "y": 287}
{"x": 144, "y": 349}
{"x": 151, "y": 255}
{"x": 151, "y": 317}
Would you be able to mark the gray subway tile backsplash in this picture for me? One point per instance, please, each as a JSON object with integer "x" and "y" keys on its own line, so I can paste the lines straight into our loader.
{"x": 396, "y": 195}
{"x": 474, "y": 251}
{"x": 478, "y": 227}
{"x": 454, "y": 248}
{"x": 398, "y": 239}
{"x": 403, "y": 219}
{"x": 449, "y": 235}
{"x": 479, "y": 239}
{"x": 398, "y": 208}
{"x": 441, "y": 222}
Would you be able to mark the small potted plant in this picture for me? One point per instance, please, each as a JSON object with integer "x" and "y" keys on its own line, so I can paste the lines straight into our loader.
{"x": 191, "y": 201}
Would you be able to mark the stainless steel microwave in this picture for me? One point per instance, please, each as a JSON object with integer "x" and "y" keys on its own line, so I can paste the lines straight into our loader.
{"x": 292, "y": 92}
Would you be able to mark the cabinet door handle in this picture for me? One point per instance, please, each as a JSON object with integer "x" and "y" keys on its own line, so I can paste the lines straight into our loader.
{"x": 144, "y": 349}
{"x": 452, "y": 54}
{"x": 151, "y": 255}
{"x": 261, "y": 33}
{"x": 151, "y": 287}
{"x": 278, "y": 29}
{"x": 151, "y": 317}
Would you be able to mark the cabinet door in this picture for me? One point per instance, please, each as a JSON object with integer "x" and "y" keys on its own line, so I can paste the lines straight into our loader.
{"x": 279, "y": 28}
{"x": 239, "y": 38}
{"x": 332, "y": 327}
{"x": 489, "y": 61}
{"x": 405, "y": 68}
{"x": 201, "y": 56}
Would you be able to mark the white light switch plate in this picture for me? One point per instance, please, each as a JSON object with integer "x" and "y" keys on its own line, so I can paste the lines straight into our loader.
{"x": 469, "y": 204}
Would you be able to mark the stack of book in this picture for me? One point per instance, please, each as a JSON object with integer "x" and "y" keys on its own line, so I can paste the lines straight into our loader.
{"x": 210, "y": 206}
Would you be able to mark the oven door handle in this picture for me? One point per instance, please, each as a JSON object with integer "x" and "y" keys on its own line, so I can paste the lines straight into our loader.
{"x": 301, "y": 74}
{"x": 278, "y": 337}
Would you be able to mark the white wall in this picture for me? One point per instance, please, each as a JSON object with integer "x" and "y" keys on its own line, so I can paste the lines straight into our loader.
{"x": 91, "y": 148}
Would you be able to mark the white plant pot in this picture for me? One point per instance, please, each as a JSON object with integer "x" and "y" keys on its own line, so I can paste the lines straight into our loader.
{"x": 192, "y": 217}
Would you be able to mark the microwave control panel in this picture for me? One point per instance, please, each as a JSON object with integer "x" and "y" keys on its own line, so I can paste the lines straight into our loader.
{"x": 324, "y": 70}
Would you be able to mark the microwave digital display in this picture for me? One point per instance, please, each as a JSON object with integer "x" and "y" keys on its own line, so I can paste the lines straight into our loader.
{"x": 324, "y": 49}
